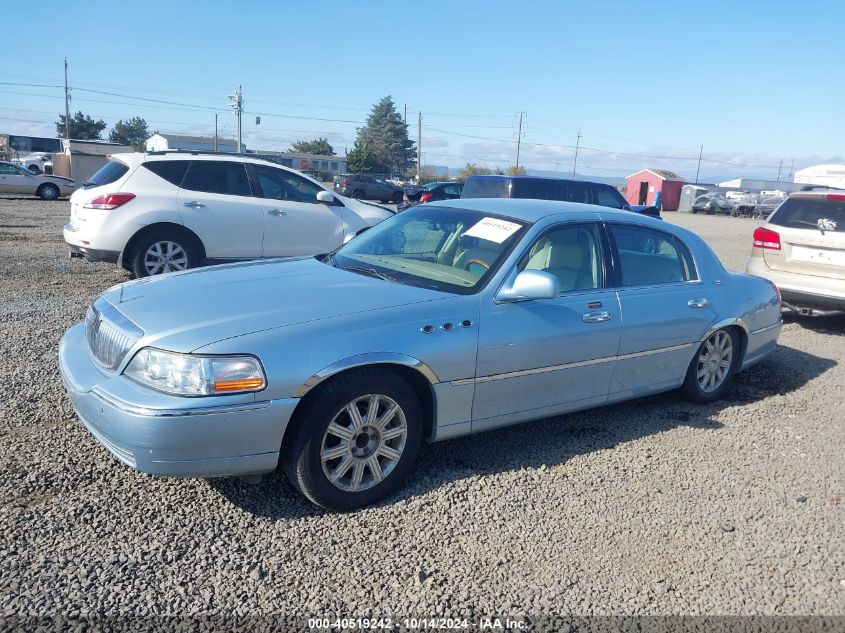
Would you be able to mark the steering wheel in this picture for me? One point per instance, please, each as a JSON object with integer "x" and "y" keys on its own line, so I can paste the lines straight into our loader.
{"x": 480, "y": 262}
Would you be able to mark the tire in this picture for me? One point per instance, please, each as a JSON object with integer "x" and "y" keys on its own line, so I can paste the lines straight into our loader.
{"x": 48, "y": 191}
{"x": 150, "y": 253}
{"x": 702, "y": 370}
{"x": 357, "y": 194}
{"x": 398, "y": 197}
{"x": 34, "y": 169}
{"x": 358, "y": 454}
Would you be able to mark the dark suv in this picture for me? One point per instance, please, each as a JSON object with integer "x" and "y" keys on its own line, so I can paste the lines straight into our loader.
{"x": 537, "y": 188}
{"x": 367, "y": 187}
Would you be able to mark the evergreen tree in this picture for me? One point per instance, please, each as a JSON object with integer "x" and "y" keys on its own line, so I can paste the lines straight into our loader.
{"x": 386, "y": 136}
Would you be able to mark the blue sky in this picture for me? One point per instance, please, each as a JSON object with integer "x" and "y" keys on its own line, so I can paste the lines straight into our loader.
{"x": 647, "y": 84}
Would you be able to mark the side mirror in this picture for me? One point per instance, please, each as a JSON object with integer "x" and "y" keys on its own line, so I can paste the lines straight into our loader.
{"x": 530, "y": 285}
{"x": 325, "y": 197}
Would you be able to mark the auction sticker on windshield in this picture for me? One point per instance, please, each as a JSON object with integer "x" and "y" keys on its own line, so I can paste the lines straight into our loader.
{"x": 493, "y": 230}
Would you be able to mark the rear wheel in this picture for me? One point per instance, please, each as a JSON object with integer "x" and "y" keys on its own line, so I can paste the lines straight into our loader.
{"x": 712, "y": 369}
{"x": 356, "y": 441}
{"x": 34, "y": 169}
{"x": 163, "y": 252}
{"x": 397, "y": 198}
{"x": 48, "y": 191}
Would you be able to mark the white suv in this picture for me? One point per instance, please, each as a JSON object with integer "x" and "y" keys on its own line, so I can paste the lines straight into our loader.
{"x": 166, "y": 211}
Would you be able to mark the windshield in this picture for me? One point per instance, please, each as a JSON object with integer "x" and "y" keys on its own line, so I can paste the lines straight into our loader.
{"x": 452, "y": 250}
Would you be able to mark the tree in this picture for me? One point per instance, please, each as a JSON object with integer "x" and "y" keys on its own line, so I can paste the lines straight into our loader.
{"x": 133, "y": 132}
{"x": 318, "y": 146}
{"x": 471, "y": 169}
{"x": 361, "y": 160}
{"x": 515, "y": 170}
{"x": 386, "y": 136}
{"x": 82, "y": 127}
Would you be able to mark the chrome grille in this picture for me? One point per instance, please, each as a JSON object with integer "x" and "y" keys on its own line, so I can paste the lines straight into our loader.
{"x": 110, "y": 334}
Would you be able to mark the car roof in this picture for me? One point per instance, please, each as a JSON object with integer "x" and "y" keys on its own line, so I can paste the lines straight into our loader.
{"x": 530, "y": 210}
{"x": 820, "y": 194}
{"x": 133, "y": 158}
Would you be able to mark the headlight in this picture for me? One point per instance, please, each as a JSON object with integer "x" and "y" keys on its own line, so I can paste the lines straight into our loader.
{"x": 192, "y": 375}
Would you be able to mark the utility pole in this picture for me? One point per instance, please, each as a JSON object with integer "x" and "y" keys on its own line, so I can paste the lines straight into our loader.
{"x": 779, "y": 168}
{"x": 238, "y": 106}
{"x": 405, "y": 118}
{"x": 67, "y": 110}
{"x": 519, "y": 138}
{"x": 577, "y": 146}
{"x": 257, "y": 123}
{"x": 419, "y": 145}
{"x": 215, "y": 131}
{"x": 556, "y": 164}
{"x": 791, "y": 167}
{"x": 698, "y": 171}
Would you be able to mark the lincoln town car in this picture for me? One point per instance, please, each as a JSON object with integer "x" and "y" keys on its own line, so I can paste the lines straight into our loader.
{"x": 449, "y": 319}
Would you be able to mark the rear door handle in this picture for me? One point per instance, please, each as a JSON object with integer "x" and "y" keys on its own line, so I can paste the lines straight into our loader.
{"x": 698, "y": 303}
{"x": 193, "y": 204}
{"x": 276, "y": 212}
{"x": 596, "y": 317}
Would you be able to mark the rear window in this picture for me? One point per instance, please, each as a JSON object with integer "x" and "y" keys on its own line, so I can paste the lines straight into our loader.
{"x": 811, "y": 213}
{"x": 486, "y": 188}
{"x": 223, "y": 177}
{"x": 173, "y": 171}
{"x": 107, "y": 174}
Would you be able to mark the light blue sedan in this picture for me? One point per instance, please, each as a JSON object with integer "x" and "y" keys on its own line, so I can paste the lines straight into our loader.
{"x": 448, "y": 319}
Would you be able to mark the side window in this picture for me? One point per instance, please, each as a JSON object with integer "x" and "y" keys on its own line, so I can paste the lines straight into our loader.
{"x": 7, "y": 169}
{"x": 608, "y": 198}
{"x": 572, "y": 253}
{"x": 223, "y": 177}
{"x": 579, "y": 192}
{"x": 648, "y": 257}
{"x": 278, "y": 184}
{"x": 452, "y": 190}
{"x": 173, "y": 171}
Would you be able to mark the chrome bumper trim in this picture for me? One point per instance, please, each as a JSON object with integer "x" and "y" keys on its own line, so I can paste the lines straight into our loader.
{"x": 767, "y": 328}
{"x": 132, "y": 409}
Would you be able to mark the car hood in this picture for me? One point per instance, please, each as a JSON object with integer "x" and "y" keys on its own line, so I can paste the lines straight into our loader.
{"x": 185, "y": 311}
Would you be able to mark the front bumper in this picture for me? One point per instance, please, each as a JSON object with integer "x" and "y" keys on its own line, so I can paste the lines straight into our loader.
{"x": 167, "y": 435}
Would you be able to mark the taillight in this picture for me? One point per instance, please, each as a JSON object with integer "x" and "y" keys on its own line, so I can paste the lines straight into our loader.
{"x": 109, "y": 201}
{"x": 777, "y": 290}
{"x": 765, "y": 238}
{"x": 425, "y": 197}
{"x": 836, "y": 197}
{"x": 343, "y": 183}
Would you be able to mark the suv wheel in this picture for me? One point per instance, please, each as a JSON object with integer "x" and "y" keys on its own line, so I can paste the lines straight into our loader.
{"x": 358, "y": 194}
{"x": 163, "y": 252}
{"x": 398, "y": 197}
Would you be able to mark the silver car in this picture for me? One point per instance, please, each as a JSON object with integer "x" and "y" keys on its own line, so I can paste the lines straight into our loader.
{"x": 448, "y": 319}
{"x": 17, "y": 180}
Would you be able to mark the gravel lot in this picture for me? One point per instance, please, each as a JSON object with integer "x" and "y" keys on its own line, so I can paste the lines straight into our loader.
{"x": 651, "y": 507}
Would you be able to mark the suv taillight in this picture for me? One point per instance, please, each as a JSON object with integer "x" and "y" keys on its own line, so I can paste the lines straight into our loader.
{"x": 109, "y": 201}
{"x": 765, "y": 238}
{"x": 343, "y": 183}
{"x": 425, "y": 197}
{"x": 835, "y": 197}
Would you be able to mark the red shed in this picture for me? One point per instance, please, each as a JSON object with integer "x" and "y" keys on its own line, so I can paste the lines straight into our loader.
{"x": 643, "y": 185}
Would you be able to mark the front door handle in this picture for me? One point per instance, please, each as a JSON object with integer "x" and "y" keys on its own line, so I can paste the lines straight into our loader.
{"x": 596, "y": 317}
{"x": 276, "y": 212}
{"x": 193, "y": 204}
{"x": 698, "y": 303}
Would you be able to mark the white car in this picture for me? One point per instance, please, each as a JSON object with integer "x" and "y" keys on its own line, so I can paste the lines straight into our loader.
{"x": 167, "y": 211}
{"x": 17, "y": 180}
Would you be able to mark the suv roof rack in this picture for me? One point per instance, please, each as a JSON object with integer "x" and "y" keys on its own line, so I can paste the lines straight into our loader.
{"x": 161, "y": 152}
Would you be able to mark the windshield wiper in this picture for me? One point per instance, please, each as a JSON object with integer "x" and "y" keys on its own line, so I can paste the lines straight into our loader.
{"x": 372, "y": 272}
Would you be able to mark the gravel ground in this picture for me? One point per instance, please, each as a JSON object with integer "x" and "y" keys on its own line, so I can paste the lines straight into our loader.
{"x": 654, "y": 506}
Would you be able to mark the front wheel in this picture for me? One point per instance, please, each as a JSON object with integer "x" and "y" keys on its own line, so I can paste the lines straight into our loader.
{"x": 48, "y": 192}
{"x": 355, "y": 442}
{"x": 162, "y": 252}
{"x": 713, "y": 368}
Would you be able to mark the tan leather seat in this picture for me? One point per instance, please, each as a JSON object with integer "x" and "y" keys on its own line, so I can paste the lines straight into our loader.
{"x": 568, "y": 255}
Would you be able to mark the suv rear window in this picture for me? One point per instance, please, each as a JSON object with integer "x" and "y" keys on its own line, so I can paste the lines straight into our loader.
{"x": 107, "y": 174}
{"x": 487, "y": 188}
{"x": 811, "y": 213}
{"x": 173, "y": 171}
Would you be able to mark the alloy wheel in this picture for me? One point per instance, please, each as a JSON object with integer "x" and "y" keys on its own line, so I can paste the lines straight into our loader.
{"x": 363, "y": 442}
{"x": 714, "y": 361}
{"x": 165, "y": 257}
